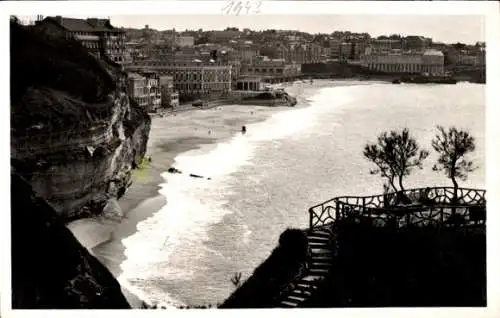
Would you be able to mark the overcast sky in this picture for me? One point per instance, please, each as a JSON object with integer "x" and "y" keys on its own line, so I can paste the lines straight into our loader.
{"x": 441, "y": 28}
{"x": 446, "y": 28}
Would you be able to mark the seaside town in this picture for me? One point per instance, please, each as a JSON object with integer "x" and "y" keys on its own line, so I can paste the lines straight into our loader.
{"x": 169, "y": 68}
{"x": 243, "y": 168}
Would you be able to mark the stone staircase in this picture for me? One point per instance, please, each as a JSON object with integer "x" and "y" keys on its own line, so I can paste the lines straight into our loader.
{"x": 302, "y": 287}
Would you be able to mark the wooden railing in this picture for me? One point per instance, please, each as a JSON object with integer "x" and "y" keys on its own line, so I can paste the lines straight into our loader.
{"x": 422, "y": 206}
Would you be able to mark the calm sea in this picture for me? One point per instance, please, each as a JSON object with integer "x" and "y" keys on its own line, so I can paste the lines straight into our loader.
{"x": 264, "y": 182}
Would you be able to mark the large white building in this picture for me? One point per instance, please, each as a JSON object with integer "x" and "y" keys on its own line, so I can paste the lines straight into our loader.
{"x": 396, "y": 61}
{"x": 192, "y": 80}
{"x": 272, "y": 68}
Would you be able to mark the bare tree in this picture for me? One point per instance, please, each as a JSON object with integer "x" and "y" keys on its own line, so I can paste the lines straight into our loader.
{"x": 395, "y": 154}
{"x": 452, "y": 146}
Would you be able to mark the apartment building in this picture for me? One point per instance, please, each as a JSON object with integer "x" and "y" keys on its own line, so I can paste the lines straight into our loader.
{"x": 145, "y": 90}
{"x": 169, "y": 97}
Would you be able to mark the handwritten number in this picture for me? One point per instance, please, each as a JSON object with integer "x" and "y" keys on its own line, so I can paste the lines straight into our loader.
{"x": 235, "y": 7}
{"x": 228, "y": 7}
{"x": 257, "y": 6}
{"x": 248, "y": 6}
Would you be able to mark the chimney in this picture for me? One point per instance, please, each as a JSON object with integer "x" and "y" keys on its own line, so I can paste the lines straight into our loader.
{"x": 58, "y": 19}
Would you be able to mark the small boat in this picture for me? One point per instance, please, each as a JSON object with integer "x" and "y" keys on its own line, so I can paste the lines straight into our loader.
{"x": 396, "y": 81}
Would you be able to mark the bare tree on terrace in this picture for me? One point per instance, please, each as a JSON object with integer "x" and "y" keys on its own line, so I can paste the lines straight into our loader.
{"x": 452, "y": 146}
{"x": 395, "y": 154}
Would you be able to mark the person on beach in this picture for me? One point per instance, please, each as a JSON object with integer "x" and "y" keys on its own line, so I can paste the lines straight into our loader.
{"x": 243, "y": 129}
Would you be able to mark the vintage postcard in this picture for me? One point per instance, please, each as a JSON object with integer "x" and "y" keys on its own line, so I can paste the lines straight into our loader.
{"x": 278, "y": 155}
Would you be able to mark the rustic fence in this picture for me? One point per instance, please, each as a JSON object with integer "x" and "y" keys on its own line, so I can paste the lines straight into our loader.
{"x": 419, "y": 207}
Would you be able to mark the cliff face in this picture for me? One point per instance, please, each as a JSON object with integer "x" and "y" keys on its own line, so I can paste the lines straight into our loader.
{"x": 76, "y": 134}
{"x": 50, "y": 269}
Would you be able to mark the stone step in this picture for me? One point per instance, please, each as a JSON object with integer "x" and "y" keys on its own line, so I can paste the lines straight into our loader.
{"x": 295, "y": 298}
{"x": 319, "y": 234}
{"x": 307, "y": 286}
{"x": 319, "y": 239}
{"x": 326, "y": 258}
{"x": 304, "y": 284}
{"x": 311, "y": 278}
{"x": 316, "y": 251}
{"x": 318, "y": 245}
{"x": 300, "y": 293}
{"x": 287, "y": 303}
{"x": 320, "y": 265}
{"x": 323, "y": 271}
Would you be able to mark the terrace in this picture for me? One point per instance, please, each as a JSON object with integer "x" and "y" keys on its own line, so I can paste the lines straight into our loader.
{"x": 418, "y": 207}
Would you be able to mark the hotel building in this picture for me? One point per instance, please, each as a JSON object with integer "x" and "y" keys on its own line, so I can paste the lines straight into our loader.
{"x": 192, "y": 80}
{"x": 97, "y": 35}
{"x": 271, "y": 68}
{"x": 430, "y": 62}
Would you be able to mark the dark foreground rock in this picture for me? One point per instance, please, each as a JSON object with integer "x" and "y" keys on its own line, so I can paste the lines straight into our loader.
{"x": 50, "y": 268}
{"x": 431, "y": 266}
{"x": 262, "y": 289}
{"x": 410, "y": 267}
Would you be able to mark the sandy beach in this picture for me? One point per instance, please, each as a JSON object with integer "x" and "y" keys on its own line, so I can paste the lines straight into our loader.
{"x": 171, "y": 135}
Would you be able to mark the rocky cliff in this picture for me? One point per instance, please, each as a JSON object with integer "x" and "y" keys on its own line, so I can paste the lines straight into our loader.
{"x": 50, "y": 269}
{"x": 76, "y": 135}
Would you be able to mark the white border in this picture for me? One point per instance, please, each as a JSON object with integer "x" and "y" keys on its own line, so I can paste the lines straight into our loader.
{"x": 489, "y": 9}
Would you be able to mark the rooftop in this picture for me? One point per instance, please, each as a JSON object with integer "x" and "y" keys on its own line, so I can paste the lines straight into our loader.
{"x": 81, "y": 25}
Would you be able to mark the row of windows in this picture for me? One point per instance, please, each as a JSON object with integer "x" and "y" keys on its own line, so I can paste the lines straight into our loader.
{"x": 188, "y": 87}
{"x": 198, "y": 86}
{"x": 163, "y": 64}
{"x": 187, "y": 76}
{"x": 396, "y": 67}
{"x": 90, "y": 44}
{"x": 84, "y": 33}
{"x": 264, "y": 70}
{"x": 405, "y": 67}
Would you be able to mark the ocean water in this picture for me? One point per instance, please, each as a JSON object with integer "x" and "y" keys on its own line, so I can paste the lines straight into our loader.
{"x": 264, "y": 182}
